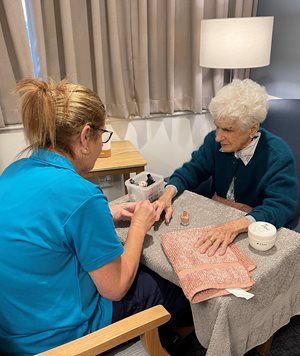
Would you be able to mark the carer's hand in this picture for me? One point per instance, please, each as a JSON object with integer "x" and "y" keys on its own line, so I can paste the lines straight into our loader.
{"x": 164, "y": 203}
{"x": 221, "y": 236}
{"x": 122, "y": 211}
{"x": 144, "y": 216}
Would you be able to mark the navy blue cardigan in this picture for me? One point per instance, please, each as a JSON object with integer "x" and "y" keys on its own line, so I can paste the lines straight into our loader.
{"x": 268, "y": 183}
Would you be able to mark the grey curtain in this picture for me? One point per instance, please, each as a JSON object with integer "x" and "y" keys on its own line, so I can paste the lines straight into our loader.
{"x": 15, "y": 59}
{"x": 140, "y": 56}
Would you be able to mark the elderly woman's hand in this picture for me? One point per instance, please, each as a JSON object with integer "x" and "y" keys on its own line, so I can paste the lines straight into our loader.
{"x": 124, "y": 211}
{"x": 164, "y": 203}
{"x": 220, "y": 236}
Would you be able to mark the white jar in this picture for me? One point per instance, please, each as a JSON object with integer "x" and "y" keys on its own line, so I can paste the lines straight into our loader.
{"x": 262, "y": 235}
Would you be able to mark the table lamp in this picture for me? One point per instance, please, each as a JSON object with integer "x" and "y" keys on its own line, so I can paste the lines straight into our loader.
{"x": 236, "y": 43}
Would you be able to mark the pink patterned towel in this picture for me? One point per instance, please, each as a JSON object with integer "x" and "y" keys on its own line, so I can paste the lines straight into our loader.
{"x": 202, "y": 277}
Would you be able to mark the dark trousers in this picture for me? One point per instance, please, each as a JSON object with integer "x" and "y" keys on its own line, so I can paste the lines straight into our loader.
{"x": 148, "y": 290}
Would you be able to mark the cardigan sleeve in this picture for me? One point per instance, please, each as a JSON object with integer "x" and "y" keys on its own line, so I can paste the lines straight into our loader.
{"x": 280, "y": 192}
{"x": 198, "y": 169}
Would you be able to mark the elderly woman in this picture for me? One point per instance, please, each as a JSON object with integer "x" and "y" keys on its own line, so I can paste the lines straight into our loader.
{"x": 63, "y": 271}
{"x": 248, "y": 165}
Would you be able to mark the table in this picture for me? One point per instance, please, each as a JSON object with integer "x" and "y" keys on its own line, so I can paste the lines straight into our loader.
{"x": 124, "y": 159}
{"x": 227, "y": 325}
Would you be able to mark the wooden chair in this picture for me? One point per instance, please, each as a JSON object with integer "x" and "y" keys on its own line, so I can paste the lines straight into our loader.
{"x": 144, "y": 324}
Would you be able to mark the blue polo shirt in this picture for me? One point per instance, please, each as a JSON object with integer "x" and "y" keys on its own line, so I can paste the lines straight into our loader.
{"x": 55, "y": 228}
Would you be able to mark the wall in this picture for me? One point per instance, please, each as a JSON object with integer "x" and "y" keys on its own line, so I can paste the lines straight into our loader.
{"x": 12, "y": 142}
{"x": 282, "y": 77}
{"x": 165, "y": 142}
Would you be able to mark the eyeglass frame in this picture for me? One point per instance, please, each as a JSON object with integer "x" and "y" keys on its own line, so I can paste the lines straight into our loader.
{"x": 110, "y": 134}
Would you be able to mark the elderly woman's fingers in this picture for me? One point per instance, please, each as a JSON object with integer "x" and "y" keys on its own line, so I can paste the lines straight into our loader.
{"x": 168, "y": 214}
{"x": 212, "y": 250}
{"x": 162, "y": 205}
{"x": 230, "y": 236}
{"x": 206, "y": 236}
{"x": 199, "y": 242}
{"x": 205, "y": 246}
{"x": 159, "y": 208}
{"x": 217, "y": 238}
{"x": 226, "y": 242}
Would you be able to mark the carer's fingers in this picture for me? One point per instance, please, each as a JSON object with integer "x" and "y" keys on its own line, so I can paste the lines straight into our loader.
{"x": 146, "y": 208}
{"x": 144, "y": 204}
{"x": 127, "y": 215}
{"x": 130, "y": 206}
{"x": 144, "y": 216}
{"x": 137, "y": 205}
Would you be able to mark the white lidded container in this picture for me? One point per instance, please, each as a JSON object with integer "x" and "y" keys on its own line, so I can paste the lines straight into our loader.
{"x": 152, "y": 192}
{"x": 262, "y": 235}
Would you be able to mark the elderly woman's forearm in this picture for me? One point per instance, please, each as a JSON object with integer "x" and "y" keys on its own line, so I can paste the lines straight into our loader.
{"x": 240, "y": 225}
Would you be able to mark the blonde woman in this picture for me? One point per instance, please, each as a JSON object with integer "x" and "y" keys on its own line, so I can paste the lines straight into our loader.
{"x": 63, "y": 271}
{"x": 249, "y": 167}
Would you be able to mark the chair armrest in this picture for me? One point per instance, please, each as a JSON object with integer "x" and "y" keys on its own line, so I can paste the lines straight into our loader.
{"x": 114, "y": 334}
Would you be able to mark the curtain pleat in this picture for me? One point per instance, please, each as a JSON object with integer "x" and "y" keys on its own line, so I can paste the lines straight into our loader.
{"x": 140, "y": 56}
{"x": 15, "y": 59}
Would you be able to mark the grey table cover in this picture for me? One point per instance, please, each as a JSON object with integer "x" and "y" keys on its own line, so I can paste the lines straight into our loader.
{"x": 229, "y": 325}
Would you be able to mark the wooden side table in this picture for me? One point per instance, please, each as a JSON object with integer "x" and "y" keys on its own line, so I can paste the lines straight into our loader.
{"x": 124, "y": 159}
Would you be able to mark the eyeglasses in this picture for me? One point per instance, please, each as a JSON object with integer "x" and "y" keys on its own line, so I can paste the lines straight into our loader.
{"x": 106, "y": 135}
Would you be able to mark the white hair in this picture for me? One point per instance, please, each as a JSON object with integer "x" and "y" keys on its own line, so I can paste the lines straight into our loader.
{"x": 241, "y": 100}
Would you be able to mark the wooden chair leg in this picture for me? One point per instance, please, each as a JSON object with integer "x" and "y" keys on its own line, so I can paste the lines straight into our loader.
{"x": 151, "y": 343}
{"x": 265, "y": 348}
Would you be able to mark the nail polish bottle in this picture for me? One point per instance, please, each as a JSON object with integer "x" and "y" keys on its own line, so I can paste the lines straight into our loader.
{"x": 150, "y": 180}
{"x": 184, "y": 218}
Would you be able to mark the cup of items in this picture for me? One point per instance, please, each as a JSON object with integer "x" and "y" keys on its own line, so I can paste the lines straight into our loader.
{"x": 145, "y": 185}
{"x": 262, "y": 235}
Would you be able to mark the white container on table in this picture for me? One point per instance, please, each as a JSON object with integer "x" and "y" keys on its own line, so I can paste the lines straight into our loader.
{"x": 151, "y": 192}
{"x": 262, "y": 235}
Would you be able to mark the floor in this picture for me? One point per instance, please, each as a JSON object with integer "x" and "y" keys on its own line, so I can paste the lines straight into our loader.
{"x": 286, "y": 342}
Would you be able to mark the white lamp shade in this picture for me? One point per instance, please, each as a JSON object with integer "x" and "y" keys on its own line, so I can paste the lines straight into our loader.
{"x": 243, "y": 42}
